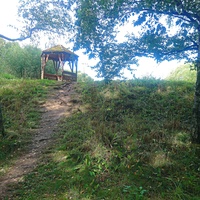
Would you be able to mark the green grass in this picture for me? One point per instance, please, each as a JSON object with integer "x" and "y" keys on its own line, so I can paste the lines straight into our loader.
{"x": 128, "y": 140}
{"x": 19, "y": 99}
{"x": 184, "y": 72}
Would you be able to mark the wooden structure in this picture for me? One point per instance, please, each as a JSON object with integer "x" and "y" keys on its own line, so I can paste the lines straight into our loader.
{"x": 60, "y": 55}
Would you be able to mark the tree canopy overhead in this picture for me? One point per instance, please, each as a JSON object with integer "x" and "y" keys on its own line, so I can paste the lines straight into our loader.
{"x": 97, "y": 23}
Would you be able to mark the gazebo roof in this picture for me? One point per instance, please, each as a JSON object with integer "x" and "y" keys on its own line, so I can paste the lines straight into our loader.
{"x": 60, "y": 51}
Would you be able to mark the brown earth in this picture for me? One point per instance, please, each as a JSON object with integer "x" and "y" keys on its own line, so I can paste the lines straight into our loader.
{"x": 60, "y": 103}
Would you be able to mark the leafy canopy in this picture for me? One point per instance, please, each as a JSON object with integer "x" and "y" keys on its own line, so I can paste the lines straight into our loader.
{"x": 22, "y": 62}
{"x": 97, "y": 22}
{"x": 168, "y": 29}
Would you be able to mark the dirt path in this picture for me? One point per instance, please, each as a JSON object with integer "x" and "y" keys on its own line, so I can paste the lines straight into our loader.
{"x": 58, "y": 105}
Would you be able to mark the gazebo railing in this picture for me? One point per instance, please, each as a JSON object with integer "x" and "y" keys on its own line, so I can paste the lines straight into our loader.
{"x": 66, "y": 76}
{"x": 69, "y": 76}
{"x": 52, "y": 76}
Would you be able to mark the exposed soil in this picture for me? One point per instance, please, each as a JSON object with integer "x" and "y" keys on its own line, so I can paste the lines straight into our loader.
{"x": 59, "y": 104}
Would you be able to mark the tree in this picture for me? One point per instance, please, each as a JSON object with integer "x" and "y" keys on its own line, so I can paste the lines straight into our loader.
{"x": 23, "y": 62}
{"x": 97, "y": 22}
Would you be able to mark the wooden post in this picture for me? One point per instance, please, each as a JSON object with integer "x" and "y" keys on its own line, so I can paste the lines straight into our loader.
{"x": 76, "y": 64}
{"x": 72, "y": 66}
{"x": 57, "y": 68}
{"x": 61, "y": 63}
{"x": 42, "y": 66}
{"x": 44, "y": 60}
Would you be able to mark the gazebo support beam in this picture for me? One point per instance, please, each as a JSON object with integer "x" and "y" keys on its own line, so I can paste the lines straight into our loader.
{"x": 72, "y": 66}
{"x": 76, "y": 64}
{"x": 44, "y": 60}
{"x": 56, "y": 67}
{"x": 62, "y": 65}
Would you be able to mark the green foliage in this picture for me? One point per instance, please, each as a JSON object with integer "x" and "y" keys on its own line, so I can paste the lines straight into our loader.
{"x": 95, "y": 27}
{"x": 22, "y": 62}
{"x": 183, "y": 73}
{"x": 127, "y": 140}
{"x": 1, "y": 123}
{"x": 98, "y": 21}
{"x": 83, "y": 77}
{"x": 4, "y": 76}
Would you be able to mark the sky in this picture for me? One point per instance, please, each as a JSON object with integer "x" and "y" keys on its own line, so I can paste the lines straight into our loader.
{"x": 147, "y": 66}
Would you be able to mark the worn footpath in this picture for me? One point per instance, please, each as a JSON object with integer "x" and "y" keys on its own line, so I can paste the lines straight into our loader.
{"x": 58, "y": 105}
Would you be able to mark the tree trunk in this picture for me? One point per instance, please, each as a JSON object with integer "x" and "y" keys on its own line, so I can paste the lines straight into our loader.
{"x": 1, "y": 123}
{"x": 196, "y": 135}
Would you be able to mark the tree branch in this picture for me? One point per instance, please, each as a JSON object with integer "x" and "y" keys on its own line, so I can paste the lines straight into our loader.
{"x": 184, "y": 15}
{"x": 22, "y": 37}
{"x": 188, "y": 48}
{"x": 171, "y": 13}
{"x": 31, "y": 31}
{"x": 187, "y": 14}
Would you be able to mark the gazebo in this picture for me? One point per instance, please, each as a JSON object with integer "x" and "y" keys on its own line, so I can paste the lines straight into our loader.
{"x": 60, "y": 55}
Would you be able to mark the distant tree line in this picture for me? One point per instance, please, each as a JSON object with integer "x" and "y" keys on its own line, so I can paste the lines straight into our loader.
{"x": 22, "y": 62}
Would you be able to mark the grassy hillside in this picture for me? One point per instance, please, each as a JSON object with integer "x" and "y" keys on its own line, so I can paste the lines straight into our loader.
{"x": 183, "y": 73}
{"x": 127, "y": 140}
{"x": 19, "y": 99}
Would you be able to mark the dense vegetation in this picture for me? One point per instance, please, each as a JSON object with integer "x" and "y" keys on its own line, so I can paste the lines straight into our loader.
{"x": 21, "y": 61}
{"x": 161, "y": 29}
{"x": 128, "y": 140}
